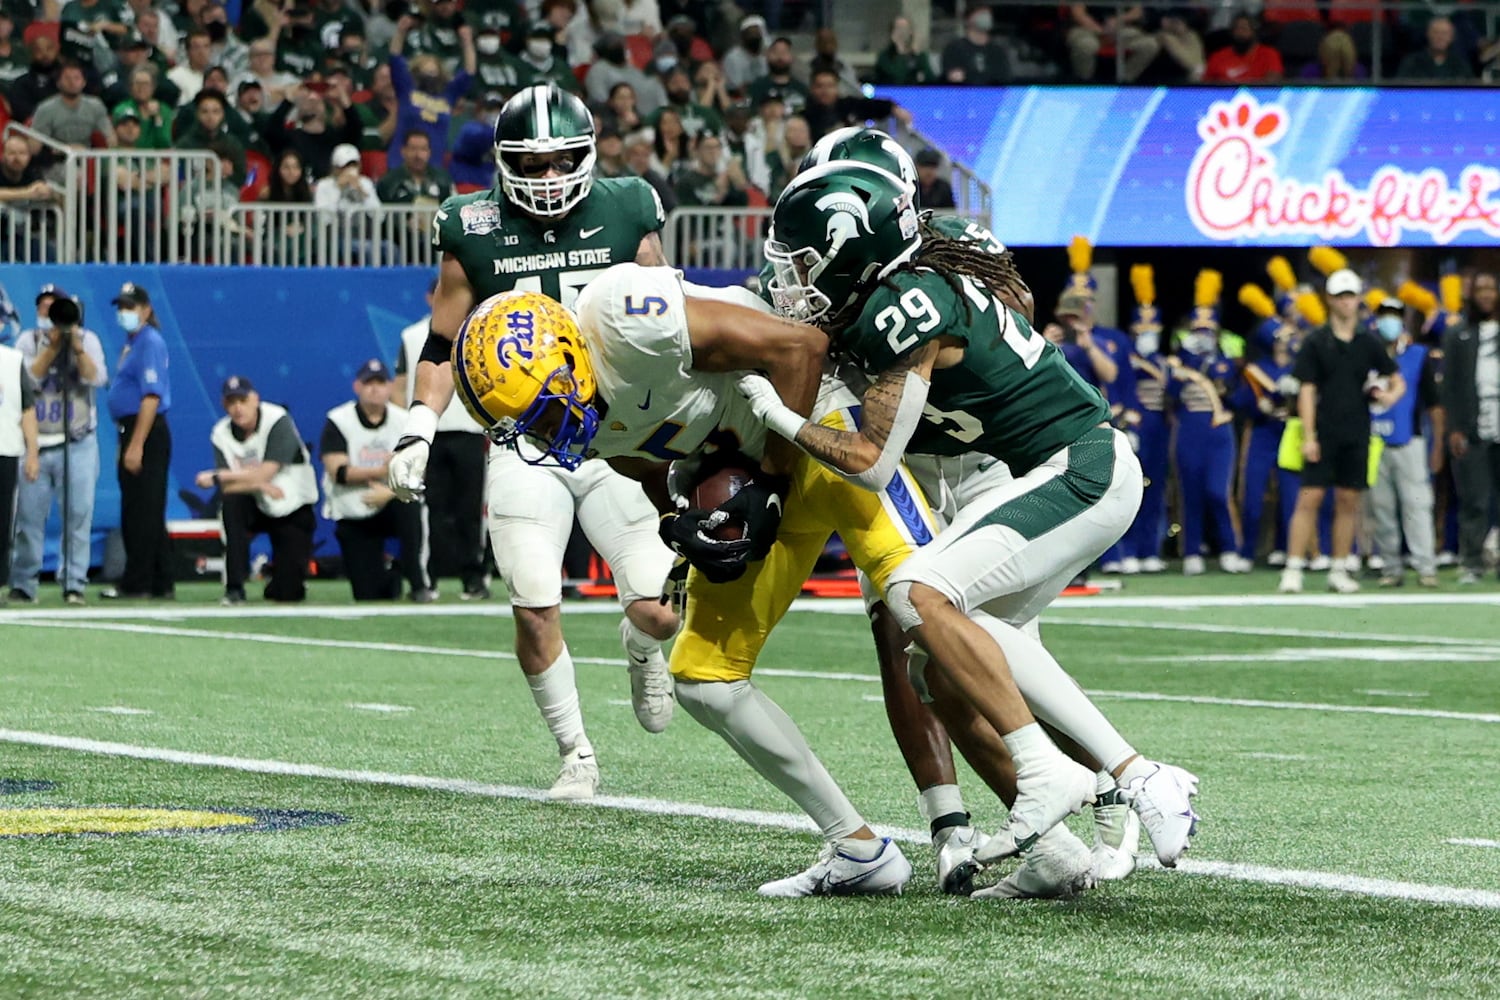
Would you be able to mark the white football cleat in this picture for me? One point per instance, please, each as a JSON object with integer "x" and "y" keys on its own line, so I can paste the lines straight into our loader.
{"x": 1153, "y": 564}
{"x": 1045, "y": 797}
{"x": 1291, "y": 580}
{"x": 1058, "y": 866}
{"x": 838, "y": 873}
{"x": 1193, "y": 566}
{"x": 1340, "y": 582}
{"x": 650, "y": 684}
{"x": 579, "y": 778}
{"x": 1277, "y": 558}
{"x": 1160, "y": 798}
{"x": 1319, "y": 564}
{"x": 955, "y": 858}
{"x": 1111, "y": 568}
{"x": 1233, "y": 562}
{"x": 1130, "y": 566}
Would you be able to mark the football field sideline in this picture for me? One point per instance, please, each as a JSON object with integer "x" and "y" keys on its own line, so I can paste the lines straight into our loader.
{"x": 1452, "y": 896}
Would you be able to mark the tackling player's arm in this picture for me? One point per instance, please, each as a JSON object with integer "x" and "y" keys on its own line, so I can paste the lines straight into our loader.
{"x": 891, "y": 409}
{"x": 651, "y": 253}
{"x": 452, "y": 301}
{"x": 726, "y": 337}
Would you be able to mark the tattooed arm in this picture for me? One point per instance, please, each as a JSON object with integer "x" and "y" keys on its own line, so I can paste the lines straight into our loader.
{"x": 892, "y": 406}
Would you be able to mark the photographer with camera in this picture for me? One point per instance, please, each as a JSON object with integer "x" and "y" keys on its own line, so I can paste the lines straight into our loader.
{"x": 65, "y": 363}
{"x": 18, "y": 449}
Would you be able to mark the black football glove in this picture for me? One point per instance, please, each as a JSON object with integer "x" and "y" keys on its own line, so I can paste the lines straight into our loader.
{"x": 758, "y": 504}
{"x": 718, "y": 560}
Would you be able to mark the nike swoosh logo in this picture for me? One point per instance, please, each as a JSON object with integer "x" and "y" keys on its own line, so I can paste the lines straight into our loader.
{"x": 774, "y": 501}
{"x": 584, "y": 234}
{"x": 647, "y": 404}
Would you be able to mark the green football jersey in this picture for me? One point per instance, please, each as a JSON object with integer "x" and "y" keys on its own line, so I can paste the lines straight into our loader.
{"x": 502, "y": 248}
{"x": 1013, "y": 396}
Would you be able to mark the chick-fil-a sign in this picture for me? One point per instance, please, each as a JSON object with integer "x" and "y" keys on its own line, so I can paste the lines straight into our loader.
{"x": 1235, "y": 189}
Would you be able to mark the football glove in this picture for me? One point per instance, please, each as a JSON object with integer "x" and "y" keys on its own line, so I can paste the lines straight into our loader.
{"x": 674, "y": 590}
{"x": 720, "y": 561}
{"x": 407, "y": 473}
{"x": 758, "y": 504}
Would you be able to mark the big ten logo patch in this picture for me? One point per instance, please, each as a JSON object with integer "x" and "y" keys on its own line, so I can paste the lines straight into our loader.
{"x": 520, "y": 326}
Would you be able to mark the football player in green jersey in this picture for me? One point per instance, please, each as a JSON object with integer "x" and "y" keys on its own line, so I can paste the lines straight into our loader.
{"x": 1060, "y": 864}
{"x": 956, "y": 370}
{"x": 548, "y": 226}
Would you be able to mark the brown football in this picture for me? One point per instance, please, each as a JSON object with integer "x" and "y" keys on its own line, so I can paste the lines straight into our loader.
{"x": 715, "y": 490}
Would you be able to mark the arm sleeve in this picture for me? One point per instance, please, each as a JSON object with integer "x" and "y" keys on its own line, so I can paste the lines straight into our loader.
{"x": 154, "y": 368}
{"x": 283, "y": 445}
{"x": 1385, "y": 364}
{"x": 220, "y": 460}
{"x": 1427, "y": 388}
{"x": 28, "y": 395}
{"x": 458, "y": 86}
{"x": 652, "y": 212}
{"x": 333, "y": 440}
{"x": 401, "y": 79}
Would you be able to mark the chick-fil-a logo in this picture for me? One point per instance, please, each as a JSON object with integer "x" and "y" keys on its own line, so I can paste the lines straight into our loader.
{"x": 1235, "y": 191}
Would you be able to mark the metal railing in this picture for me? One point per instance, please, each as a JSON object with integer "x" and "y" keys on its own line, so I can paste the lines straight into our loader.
{"x": 274, "y": 234}
{"x": 30, "y": 232}
{"x": 136, "y": 206}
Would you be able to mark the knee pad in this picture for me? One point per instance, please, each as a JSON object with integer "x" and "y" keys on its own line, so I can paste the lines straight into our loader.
{"x": 898, "y": 599}
{"x": 916, "y": 672}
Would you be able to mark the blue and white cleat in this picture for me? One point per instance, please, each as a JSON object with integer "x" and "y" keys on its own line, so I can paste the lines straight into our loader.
{"x": 841, "y": 870}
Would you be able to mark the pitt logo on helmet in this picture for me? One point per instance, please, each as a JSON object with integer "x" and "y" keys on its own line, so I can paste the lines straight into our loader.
{"x": 521, "y": 369}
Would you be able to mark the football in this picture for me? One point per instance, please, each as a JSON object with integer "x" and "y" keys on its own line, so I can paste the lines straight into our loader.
{"x": 717, "y": 488}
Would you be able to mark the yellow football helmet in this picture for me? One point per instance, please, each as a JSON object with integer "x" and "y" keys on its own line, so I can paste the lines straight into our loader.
{"x": 517, "y": 354}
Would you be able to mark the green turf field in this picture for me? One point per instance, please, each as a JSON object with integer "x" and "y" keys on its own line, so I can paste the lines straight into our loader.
{"x": 1348, "y": 750}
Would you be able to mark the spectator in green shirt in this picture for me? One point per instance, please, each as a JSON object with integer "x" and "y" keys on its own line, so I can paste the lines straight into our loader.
{"x": 416, "y": 181}
{"x": 899, "y": 63}
{"x": 86, "y": 23}
{"x": 157, "y": 114}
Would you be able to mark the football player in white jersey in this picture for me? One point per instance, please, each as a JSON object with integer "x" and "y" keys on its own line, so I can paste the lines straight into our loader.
{"x": 655, "y": 382}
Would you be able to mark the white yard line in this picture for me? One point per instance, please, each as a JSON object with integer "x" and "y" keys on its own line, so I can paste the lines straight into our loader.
{"x": 1472, "y": 842}
{"x": 1152, "y": 625}
{"x": 1334, "y": 881}
{"x": 376, "y": 706}
{"x": 1267, "y": 755}
{"x": 1299, "y": 706}
{"x": 121, "y": 710}
{"x": 1387, "y": 693}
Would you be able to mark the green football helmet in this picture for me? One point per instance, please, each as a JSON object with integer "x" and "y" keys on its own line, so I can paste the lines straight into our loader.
{"x": 545, "y": 119}
{"x": 836, "y": 230}
{"x": 863, "y": 145}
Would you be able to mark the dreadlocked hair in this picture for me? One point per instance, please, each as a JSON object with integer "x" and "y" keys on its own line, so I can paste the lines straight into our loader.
{"x": 951, "y": 260}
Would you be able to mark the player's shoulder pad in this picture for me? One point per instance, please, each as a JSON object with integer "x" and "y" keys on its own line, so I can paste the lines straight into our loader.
{"x": 637, "y": 193}
{"x": 474, "y": 214}
{"x": 629, "y": 289}
{"x": 737, "y": 295}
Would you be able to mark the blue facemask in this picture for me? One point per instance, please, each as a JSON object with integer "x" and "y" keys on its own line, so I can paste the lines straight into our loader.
{"x": 1390, "y": 327}
{"x": 130, "y": 321}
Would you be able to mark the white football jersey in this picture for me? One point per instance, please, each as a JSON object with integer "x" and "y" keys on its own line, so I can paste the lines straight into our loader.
{"x": 634, "y": 320}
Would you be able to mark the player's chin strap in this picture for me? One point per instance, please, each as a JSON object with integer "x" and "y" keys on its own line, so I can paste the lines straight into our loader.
{"x": 783, "y": 420}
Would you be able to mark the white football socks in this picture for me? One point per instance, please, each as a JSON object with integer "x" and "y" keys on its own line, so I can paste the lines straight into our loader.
{"x": 637, "y": 643}
{"x": 940, "y": 802}
{"x": 1054, "y": 697}
{"x": 770, "y": 742}
{"x": 556, "y": 695}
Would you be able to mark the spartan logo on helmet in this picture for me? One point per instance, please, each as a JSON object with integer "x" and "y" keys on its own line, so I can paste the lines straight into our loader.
{"x": 835, "y": 230}
{"x": 544, "y": 147}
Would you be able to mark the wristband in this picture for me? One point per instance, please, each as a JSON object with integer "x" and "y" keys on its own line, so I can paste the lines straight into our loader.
{"x": 783, "y": 420}
{"x": 342, "y": 475}
{"x": 421, "y": 422}
{"x": 218, "y": 478}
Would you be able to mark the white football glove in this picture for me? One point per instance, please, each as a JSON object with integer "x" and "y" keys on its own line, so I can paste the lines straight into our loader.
{"x": 767, "y": 406}
{"x": 407, "y": 473}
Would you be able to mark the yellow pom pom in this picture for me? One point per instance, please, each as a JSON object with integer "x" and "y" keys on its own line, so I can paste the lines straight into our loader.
{"x": 1282, "y": 276}
{"x": 1254, "y": 298}
{"x": 1327, "y": 259}
{"x": 1080, "y": 254}
{"x": 1143, "y": 281}
{"x": 1418, "y": 298}
{"x": 1374, "y": 297}
{"x": 1207, "y": 287}
{"x": 1451, "y": 291}
{"x": 1312, "y": 309}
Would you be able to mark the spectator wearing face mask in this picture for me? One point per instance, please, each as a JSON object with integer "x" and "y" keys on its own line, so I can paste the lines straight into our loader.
{"x": 494, "y": 68}
{"x": 900, "y": 63}
{"x": 746, "y": 61}
{"x": 472, "y": 167}
{"x": 975, "y": 58}
{"x": 1401, "y": 502}
{"x": 695, "y": 117}
{"x": 543, "y": 61}
{"x": 612, "y": 68}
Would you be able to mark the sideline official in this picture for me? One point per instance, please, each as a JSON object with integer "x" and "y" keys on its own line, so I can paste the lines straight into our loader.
{"x": 269, "y": 488}
{"x": 357, "y": 441}
{"x": 139, "y": 401}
